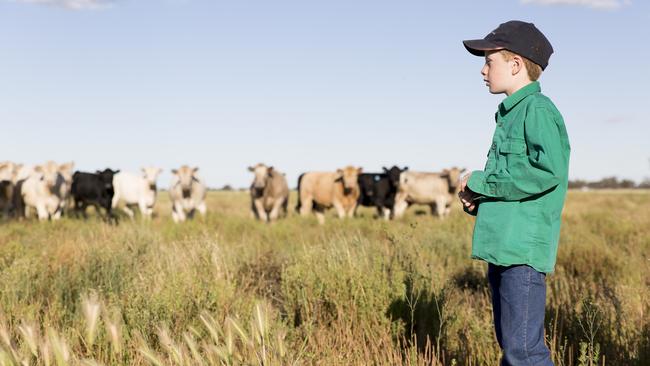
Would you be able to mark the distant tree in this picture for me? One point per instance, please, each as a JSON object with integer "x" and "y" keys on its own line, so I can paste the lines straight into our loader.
{"x": 645, "y": 184}
{"x": 227, "y": 187}
{"x": 626, "y": 183}
{"x": 577, "y": 184}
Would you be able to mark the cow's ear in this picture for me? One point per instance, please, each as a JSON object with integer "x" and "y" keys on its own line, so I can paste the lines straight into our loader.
{"x": 117, "y": 171}
{"x": 339, "y": 173}
{"x": 67, "y": 167}
{"x": 195, "y": 169}
{"x": 385, "y": 169}
{"x": 98, "y": 172}
{"x": 463, "y": 170}
{"x": 175, "y": 171}
{"x": 38, "y": 169}
{"x": 251, "y": 169}
{"x": 405, "y": 168}
{"x": 359, "y": 170}
{"x": 270, "y": 170}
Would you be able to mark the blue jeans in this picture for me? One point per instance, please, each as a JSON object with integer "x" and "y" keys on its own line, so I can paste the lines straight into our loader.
{"x": 518, "y": 302}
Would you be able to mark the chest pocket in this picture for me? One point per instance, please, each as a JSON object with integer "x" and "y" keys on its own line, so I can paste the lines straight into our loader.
{"x": 511, "y": 152}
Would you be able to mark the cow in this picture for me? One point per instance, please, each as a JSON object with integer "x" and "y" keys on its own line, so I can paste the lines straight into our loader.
{"x": 65, "y": 170}
{"x": 187, "y": 193}
{"x": 7, "y": 185}
{"x": 136, "y": 190}
{"x": 41, "y": 190}
{"x": 94, "y": 189}
{"x": 6, "y": 198}
{"x": 437, "y": 190}
{"x": 379, "y": 190}
{"x": 269, "y": 193}
{"x": 322, "y": 190}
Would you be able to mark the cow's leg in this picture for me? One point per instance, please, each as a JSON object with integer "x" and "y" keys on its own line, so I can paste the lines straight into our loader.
{"x": 340, "y": 210}
{"x": 253, "y": 212}
{"x": 320, "y": 216}
{"x": 27, "y": 211}
{"x": 116, "y": 200}
{"x": 261, "y": 211}
{"x": 129, "y": 212}
{"x": 400, "y": 205}
{"x": 307, "y": 204}
{"x": 145, "y": 211}
{"x": 386, "y": 213}
{"x": 110, "y": 216}
{"x": 275, "y": 211}
{"x": 84, "y": 207}
{"x": 441, "y": 207}
{"x": 352, "y": 210}
{"x": 285, "y": 204}
{"x": 41, "y": 211}
{"x": 178, "y": 214}
{"x": 202, "y": 208}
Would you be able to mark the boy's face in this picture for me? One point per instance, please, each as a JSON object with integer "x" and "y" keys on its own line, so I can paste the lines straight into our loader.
{"x": 497, "y": 72}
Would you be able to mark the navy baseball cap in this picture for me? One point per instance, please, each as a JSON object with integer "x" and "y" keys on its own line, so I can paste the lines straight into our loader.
{"x": 516, "y": 36}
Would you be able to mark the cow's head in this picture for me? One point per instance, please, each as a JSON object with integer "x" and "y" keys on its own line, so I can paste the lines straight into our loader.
{"x": 453, "y": 178}
{"x": 150, "y": 174}
{"x": 106, "y": 176}
{"x": 6, "y": 170}
{"x": 262, "y": 174}
{"x": 66, "y": 171}
{"x": 393, "y": 174}
{"x": 48, "y": 173}
{"x": 350, "y": 178}
{"x": 186, "y": 177}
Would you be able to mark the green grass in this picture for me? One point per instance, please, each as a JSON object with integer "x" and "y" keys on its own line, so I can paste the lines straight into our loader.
{"x": 229, "y": 290}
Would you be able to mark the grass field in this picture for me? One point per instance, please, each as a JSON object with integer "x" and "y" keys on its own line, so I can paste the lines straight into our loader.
{"x": 227, "y": 290}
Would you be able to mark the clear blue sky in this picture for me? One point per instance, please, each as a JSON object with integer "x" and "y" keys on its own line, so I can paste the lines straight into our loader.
{"x": 307, "y": 85}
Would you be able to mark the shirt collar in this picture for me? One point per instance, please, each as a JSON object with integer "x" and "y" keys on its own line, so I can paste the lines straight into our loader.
{"x": 519, "y": 95}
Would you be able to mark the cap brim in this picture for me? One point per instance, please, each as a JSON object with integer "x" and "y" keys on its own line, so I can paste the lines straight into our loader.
{"x": 477, "y": 47}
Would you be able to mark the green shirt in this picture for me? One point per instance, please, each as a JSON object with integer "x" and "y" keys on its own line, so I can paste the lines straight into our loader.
{"x": 524, "y": 183}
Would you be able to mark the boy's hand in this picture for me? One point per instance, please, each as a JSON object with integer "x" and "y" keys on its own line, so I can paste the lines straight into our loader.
{"x": 467, "y": 199}
{"x": 466, "y": 195}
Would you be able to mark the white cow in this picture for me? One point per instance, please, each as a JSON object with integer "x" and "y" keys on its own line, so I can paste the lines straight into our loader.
{"x": 437, "y": 190}
{"x": 187, "y": 193}
{"x": 136, "y": 190}
{"x": 65, "y": 170}
{"x": 41, "y": 191}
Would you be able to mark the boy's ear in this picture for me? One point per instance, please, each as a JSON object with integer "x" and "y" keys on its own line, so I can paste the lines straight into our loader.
{"x": 517, "y": 64}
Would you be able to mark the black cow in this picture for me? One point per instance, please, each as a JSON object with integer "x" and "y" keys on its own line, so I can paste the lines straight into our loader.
{"x": 379, "y": 190}
{"x": 93, "y": 189}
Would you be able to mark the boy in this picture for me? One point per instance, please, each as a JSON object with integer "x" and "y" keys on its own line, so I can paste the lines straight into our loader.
{"x": 518, "y": 198}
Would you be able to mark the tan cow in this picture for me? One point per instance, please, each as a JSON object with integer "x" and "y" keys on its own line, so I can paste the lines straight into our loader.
{"x": 437, "y": 190}
{"x": 187, "y": 193}
{"x": 269, "y": 193}
{"x": 322, "y": 190}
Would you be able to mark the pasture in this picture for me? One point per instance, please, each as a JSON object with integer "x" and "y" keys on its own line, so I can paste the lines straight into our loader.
{"x": 228, "y": 290}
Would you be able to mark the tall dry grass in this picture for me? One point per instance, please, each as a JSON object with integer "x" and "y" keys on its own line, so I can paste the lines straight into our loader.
{"x": 228, "y": 290}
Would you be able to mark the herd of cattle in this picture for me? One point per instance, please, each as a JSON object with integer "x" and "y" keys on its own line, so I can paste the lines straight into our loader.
{"x": 53, "y": 190}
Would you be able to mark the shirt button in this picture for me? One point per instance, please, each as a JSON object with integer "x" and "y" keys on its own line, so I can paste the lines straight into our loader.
{"x": 494, "y": 146}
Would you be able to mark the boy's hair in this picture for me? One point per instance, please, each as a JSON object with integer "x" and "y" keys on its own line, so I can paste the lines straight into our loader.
{"x": 533, "y": 69}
